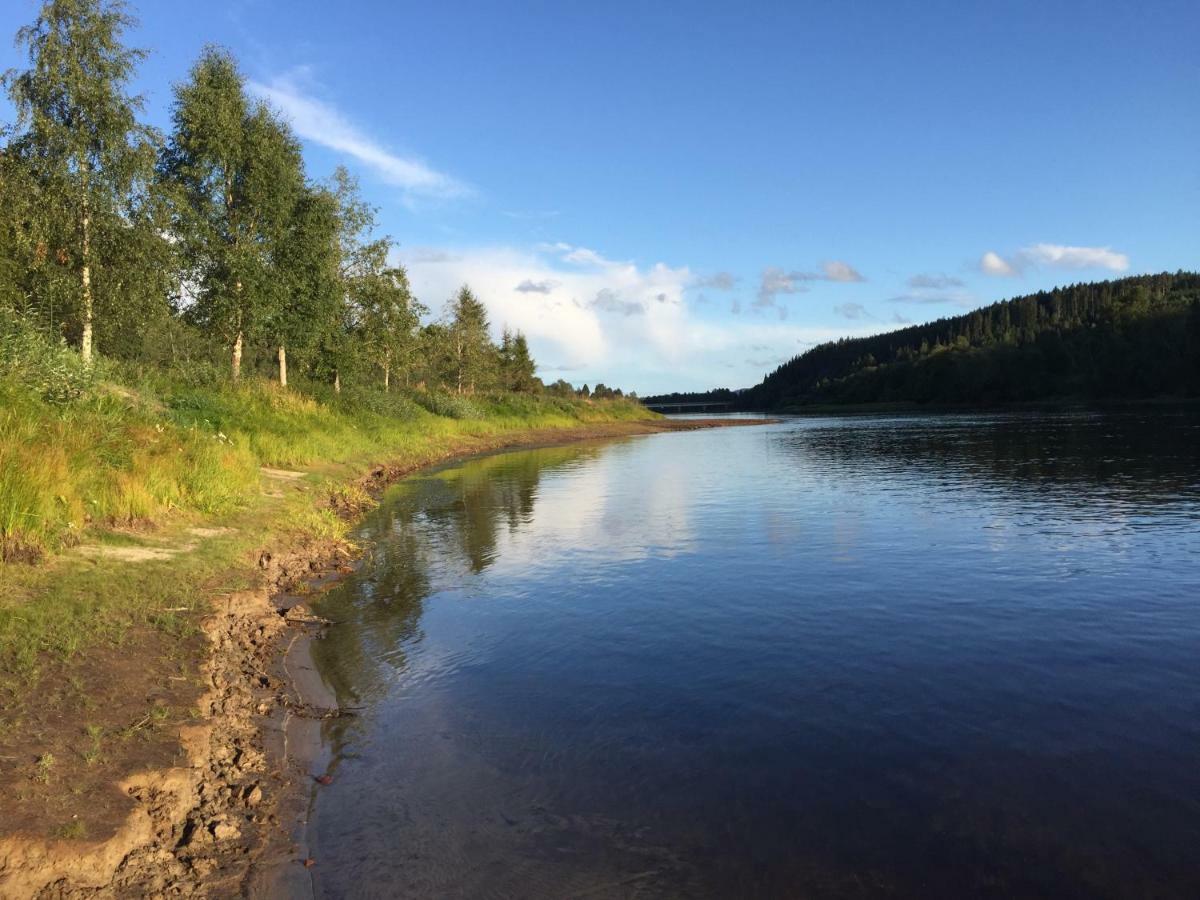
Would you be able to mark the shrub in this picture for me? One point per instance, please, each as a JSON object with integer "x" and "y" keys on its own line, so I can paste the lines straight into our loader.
{"x": 49, "y": 368}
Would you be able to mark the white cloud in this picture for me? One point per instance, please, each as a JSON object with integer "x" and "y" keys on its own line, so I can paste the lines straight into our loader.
{"x": 776, "y": 281}
{"x": 1075, "y": 257}
{"x": 1057, "y": 256}
{"x": 614, "y": 321}
{"x": 836, "y": 270}
{"x": 994, "y": 264}
{"x": 319, "y": 122}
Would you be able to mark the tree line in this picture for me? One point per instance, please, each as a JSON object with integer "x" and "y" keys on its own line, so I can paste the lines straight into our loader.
{"x": 1133, "y": 337}
{"x": 210, "y": 241}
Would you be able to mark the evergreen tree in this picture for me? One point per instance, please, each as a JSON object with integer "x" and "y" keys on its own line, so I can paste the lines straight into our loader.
{"x": 471, "y": 350}
{"x": 522, "y": 368}
{"x": 90, "y": 163}
{"x": 236, "y": 174}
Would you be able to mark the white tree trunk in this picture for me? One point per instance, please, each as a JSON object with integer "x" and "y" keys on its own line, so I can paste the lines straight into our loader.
{"x": 237, "y": 357}
{"x": 337, "y": 382}
{"x": 282, "y": 366}
{"x": 387, "y": 378}
{"x": 85, "y": 338}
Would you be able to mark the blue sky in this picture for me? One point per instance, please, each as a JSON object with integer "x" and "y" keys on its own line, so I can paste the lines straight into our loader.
{"x": 683, "y": 195}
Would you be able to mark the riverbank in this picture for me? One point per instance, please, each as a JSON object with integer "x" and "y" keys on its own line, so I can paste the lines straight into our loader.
{"x": 146, "y": 764}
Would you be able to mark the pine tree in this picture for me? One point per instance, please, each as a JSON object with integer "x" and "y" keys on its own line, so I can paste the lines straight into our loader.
{"x": 90, "y": 160}
{"x": 521, "y": 367}
{"x": 471, "y": 349}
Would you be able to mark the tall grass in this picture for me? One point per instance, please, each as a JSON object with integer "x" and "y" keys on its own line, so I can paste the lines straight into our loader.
{"x": 122, "y": 452}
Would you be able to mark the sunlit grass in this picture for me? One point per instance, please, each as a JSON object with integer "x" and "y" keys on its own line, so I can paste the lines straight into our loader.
{"x": 154, "y": 458}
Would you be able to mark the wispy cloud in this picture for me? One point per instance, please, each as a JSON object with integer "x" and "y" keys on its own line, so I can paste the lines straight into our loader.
{"x": 775, "y": 281}
{"x": 935, "y": 282}
{"x": 316, "y": 120}
{"x": 925, "y": 296}
{"x": 528, "y": 286}
{"x": 1056, "y": 256}
{"x": 721, "y": 281}
{"x": 852, "y": 311}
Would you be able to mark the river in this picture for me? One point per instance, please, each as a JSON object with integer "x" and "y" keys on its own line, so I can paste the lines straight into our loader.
{"x": 906, "y": 656}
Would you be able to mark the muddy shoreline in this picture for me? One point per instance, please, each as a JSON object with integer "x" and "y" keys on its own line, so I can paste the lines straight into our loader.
{"x": 231, "y": 818}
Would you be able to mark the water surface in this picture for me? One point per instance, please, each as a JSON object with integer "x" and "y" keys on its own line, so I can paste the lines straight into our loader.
{"x": 865, "y": 657}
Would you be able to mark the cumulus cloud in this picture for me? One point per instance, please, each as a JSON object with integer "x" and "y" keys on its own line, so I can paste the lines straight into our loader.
{"x": 836, "y": 270}
{"x": 1056, "y": 256}
{"x": 775, "y": 281}
{"x": 935, "y": 282}
{"x": 320, "y": 122}
{"x": 992, "y": 263}
{"x": 609, "y": 320}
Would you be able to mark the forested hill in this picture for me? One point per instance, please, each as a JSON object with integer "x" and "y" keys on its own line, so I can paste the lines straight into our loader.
{"x": 1129, "y": 338}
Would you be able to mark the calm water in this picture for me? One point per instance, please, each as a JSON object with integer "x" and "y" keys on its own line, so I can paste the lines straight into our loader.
{"x": 873, "y": 657}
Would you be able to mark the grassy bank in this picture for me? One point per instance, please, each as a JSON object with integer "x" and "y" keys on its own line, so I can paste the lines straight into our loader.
{"x": 132, "y": 459}
{"x": 129, "y": 502}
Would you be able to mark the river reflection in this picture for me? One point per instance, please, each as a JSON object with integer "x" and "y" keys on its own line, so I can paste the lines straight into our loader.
{"x": 916, "y": 657}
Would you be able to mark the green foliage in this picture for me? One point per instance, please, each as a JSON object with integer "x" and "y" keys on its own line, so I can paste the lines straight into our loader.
{"x": 452, "y": 406}
{"x": 218, "y": 241}
{"x": 88, "y": 234}
{"x": 27, "y": 359}
{"x": 1133, "y": 337}
{"x": 234, "y": 171}
{"x": 471, "y": 355}
{"x": 517, "y": 369}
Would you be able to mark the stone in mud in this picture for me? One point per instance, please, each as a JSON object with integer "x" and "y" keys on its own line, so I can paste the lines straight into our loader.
{"x": 224, "y": 829}
{"x": 253, "y": 796}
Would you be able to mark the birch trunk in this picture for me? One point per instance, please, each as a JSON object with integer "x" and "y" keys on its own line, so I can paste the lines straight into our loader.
{"x": 282, "y": 366}
{"x": 237, "y": 357}
{"x": 387, "y": 378}
{"x": 85, "y": 274}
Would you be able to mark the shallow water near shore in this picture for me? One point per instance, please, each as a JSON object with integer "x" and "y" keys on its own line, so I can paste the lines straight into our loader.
{"x": 908, "y": 656}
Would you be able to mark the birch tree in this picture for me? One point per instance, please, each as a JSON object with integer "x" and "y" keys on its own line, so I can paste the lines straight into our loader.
{"x": 309, "y": 267}
{"x": 89, "y": 159}
{"x": 236, "y": 176}
{"x": 388, "y": 317}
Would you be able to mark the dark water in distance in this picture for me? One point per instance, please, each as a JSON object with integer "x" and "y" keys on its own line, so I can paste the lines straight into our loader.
{"x": 917, "y": 657}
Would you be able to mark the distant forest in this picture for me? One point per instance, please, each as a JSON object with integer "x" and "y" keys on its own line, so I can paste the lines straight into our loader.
{"x": 1131, "y": 338}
